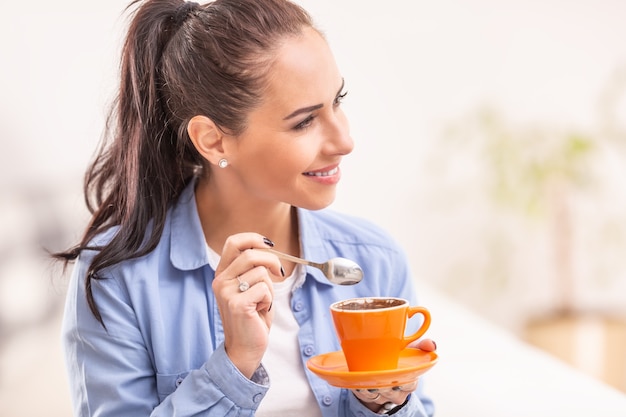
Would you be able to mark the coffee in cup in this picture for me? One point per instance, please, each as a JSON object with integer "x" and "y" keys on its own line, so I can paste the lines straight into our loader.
{"x": 371, "y": 330}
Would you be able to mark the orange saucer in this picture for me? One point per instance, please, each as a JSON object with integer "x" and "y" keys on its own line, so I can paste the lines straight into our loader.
{"x": 332, "y": 368}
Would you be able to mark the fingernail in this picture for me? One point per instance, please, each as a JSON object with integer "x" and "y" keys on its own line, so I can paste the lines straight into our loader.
{"x": 268, "y": 242}
{"x": 282, "y": 271}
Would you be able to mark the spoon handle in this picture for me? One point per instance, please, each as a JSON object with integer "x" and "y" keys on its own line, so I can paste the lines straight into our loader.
{"x": 292, "y": 258}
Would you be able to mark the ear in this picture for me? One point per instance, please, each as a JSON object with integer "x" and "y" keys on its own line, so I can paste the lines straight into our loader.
{"x": 207, "y": 137}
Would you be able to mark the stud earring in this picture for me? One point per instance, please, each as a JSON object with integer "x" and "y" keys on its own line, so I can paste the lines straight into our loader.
{"x": 223, "y": 163}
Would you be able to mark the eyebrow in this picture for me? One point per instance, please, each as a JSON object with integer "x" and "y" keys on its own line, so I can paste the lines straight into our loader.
{"x": 309, "y": 109}
{"x": 304, "y": 110}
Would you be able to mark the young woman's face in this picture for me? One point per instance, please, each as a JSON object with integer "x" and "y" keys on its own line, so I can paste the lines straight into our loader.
{"x": 293, "y": 143}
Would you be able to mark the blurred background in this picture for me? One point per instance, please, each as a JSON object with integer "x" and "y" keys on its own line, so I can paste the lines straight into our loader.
{"x": 490, "y": 141}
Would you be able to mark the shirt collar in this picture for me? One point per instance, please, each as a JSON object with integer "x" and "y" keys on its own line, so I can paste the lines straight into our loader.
{"x": 314, "y": 246}
{"x": 188, "y": 245}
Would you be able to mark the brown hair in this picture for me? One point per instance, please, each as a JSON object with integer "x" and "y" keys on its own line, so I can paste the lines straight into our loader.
{"x": 179, "y": 59}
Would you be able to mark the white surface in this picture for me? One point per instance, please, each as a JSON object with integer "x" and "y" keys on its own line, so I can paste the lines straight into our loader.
{"x": 485, "y": 371}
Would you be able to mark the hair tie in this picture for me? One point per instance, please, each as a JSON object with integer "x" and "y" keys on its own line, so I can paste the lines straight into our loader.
{"x": 183, "y": 11}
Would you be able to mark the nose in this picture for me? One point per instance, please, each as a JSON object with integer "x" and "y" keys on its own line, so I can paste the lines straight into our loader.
{"x": 338, "y": 140}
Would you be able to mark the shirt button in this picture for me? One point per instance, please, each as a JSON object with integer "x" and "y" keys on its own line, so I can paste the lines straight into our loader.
{"x": 179, "y": 381}
{"x": 298, "y": 306}
{"x": 257, "y": 398}
{"x": 309, "y": 350}
{"x": 327, "y": 400}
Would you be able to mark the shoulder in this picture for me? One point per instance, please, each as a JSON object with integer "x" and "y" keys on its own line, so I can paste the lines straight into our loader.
{"x": 327, "y": 233}
{"x": 129, "y": 266}
{"x": 349, "y": 229}
{"x": 178, "y": 247}
{"x": 332, "y": 233}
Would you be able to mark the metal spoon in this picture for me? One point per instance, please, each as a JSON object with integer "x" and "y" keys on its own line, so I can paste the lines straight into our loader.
{"x": 340, "y": 271}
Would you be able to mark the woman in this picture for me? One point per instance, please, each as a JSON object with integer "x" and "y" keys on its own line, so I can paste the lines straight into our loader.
{"x": 226, "y": 137}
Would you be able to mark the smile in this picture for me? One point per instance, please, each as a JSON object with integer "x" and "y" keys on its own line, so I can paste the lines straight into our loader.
{"x": 322, "y": 173}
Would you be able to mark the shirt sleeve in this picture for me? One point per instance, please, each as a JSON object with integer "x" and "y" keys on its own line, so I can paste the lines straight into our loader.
{"x": 111, "y": 371}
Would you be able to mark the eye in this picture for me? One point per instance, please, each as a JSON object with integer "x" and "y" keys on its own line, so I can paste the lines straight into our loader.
{"x": 339, "y": 99}
{"x": 305, "y": 123}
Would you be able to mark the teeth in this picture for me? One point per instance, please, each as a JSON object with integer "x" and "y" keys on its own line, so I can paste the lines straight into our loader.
{"x": 323, "y": 174}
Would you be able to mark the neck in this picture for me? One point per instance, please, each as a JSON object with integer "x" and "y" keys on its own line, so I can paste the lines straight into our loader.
{"x": 224, "y": 214}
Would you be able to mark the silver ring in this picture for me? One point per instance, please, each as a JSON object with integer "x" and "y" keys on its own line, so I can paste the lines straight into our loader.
{"x": 243, "y": 285}
{"x": 376, "y": 397}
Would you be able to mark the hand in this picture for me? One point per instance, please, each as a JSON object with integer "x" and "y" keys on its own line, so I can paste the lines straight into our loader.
{"x": 246, "y": 315}
{"x": 384, "y": 399}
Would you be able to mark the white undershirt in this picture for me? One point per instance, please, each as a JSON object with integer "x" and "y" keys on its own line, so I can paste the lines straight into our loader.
{"x": 290, "y": 393}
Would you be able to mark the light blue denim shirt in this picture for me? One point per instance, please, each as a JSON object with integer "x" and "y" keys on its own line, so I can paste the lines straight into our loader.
{"x": 162, "y": 352}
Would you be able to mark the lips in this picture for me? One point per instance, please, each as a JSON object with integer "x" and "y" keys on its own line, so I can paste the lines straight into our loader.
{"x": 328, "y": 173}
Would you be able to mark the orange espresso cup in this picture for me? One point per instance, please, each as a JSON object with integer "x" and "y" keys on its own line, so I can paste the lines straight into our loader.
{"x": 371, "y": 330}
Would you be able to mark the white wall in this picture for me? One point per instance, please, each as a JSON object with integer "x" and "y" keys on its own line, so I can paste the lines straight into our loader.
{"x": 409, "y": 65}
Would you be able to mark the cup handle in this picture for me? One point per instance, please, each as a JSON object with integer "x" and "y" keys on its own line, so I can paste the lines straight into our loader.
{"x": 425, "y": 325}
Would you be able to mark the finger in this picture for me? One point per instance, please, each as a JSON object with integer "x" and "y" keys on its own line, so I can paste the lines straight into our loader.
{"x": 244, "y": 295}
{"x": 427, "y": 345}
{"x": 369, "y": 396}
{"x": 236, "y": 244}
{"x": 250, "y": 278}
{"x": 247, "y": 260}
{"x": 262, "y": 294}
{"x": 396, "y": 395}
{"x": 405, "y": 388}
{"x": 250, "y": 305}
{"x": 242, "y": 305}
